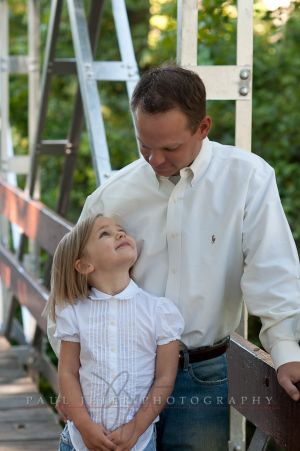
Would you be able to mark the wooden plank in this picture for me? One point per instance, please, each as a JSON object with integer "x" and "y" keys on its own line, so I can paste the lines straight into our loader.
{"x": 21, "y": 386}
{"x": 26, "y": 420}
{"x": 36, "y": 221}
{"x": 256, "y": 394}
{"x": 10, "y": 368}
{"x": 8, "y": 375}
{"x": 28, "y": 430}
{"x": 40, "y": 445}
{"x": 4, "y": 344}
{"x": 26, "y": 400}
{"x": 40, "y": 414}
{"x": 8, "y": 361}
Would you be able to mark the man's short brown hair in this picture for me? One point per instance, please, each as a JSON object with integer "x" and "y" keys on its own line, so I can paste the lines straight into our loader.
{"x": 167, "y": 87}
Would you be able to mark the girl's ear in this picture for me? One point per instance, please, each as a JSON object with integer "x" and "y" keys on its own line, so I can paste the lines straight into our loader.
{"x": 83, "y": 267}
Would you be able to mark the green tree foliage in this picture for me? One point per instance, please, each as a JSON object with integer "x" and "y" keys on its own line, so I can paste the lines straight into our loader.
{"x": 276, "y": 116}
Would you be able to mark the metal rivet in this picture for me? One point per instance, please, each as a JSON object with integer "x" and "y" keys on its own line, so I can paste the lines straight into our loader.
{"x": 243, "y": 90}
{"x": 244, "y": 74}
{"x": 237, "y": 448}
{"x": 68, "y": 149}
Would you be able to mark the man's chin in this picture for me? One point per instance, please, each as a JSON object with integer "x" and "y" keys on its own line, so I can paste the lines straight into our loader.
{"x": 164, "y": 172}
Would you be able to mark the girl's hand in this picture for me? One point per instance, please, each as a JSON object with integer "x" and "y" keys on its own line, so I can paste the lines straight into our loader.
{"x": 125, "y": 437}
{"x": 96, "y": 438}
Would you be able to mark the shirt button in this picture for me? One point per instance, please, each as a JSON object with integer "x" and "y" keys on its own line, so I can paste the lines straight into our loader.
{"x": 112, "y": 322}
{"x": 174, "y": 270}
{"x": 113, "y": 349}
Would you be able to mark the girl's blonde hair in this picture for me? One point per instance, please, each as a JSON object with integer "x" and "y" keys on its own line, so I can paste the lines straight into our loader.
{"x": 67, "y": 284}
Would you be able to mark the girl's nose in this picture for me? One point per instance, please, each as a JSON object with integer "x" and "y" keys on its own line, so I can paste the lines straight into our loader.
{"x": 121, "y": 234}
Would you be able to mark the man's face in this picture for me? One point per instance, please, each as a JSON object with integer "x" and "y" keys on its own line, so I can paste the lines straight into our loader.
{"x": 166, "y": 141}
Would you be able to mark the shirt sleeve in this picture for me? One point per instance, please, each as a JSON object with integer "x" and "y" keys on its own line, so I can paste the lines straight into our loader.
{"x": 66, "y": 324}
{"x": 271, "y": 278}
{"x": 54, "y": 342}
{"x": 93, "y": 204}
{"x": 169, "y": 322}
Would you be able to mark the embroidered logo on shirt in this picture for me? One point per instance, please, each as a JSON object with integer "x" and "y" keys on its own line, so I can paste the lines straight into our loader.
{"x": 213, "y": 239}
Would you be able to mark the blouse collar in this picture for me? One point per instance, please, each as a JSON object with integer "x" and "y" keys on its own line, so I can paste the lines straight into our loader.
{"x": 129, "y": 292}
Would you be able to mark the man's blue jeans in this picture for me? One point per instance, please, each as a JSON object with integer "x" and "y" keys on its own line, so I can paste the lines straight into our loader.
{"x": 196, "y": 417}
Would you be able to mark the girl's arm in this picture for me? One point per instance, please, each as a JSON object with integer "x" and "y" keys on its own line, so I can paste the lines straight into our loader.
{"x": 165, "y": 374}
{"x": 93, "y": 435}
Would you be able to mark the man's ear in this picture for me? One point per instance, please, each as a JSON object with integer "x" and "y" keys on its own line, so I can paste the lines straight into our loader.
{"x": 83, "y": 267}
{"x": 204, "y": 127}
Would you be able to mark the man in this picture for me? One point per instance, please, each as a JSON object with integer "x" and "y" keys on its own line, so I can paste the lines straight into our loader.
{"x": 210, "y": 231}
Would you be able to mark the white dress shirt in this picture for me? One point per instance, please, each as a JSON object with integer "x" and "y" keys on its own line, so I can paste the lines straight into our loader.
{"x": 217, "y": 236}
{"x": 118, "y": 338}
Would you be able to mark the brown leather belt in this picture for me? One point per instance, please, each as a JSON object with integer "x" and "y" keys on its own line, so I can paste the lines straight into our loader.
{"x": 204, "y": 352}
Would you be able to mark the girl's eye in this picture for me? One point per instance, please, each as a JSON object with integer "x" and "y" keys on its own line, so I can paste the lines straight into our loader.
{"x": 104, "y": 233}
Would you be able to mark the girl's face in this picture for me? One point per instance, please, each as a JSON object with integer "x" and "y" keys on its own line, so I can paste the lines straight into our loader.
{"x": 109, "y": 245}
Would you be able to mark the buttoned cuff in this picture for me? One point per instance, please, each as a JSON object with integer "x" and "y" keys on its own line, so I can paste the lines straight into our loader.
{"x": 285, "y": 351}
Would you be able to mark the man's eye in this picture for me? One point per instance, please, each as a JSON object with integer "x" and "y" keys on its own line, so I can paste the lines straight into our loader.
{"x": 170, "y": 149}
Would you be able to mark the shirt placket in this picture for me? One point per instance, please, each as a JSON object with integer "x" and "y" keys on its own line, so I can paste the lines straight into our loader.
{"x": 113, "y": 353}
{"x": 174, "y": 221}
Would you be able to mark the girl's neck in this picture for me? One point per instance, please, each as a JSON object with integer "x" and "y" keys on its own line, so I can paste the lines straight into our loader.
{"x": 111, "y": 284}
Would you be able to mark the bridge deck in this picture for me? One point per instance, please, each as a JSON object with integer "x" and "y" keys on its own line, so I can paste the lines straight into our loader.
{"x": 26, "y": 421}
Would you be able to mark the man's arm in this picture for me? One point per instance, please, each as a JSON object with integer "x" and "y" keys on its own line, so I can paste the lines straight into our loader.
{"x": 93, "y": 435}
{"x": 165, "y": 374}
{"x": 271, "y": 278}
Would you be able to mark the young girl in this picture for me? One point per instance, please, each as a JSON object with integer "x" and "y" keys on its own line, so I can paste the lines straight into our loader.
{"x": 119, "y": 344}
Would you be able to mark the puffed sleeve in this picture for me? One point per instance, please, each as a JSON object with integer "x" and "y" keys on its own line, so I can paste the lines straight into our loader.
{"x": 169, "y": 322}
{"x": 66, "y": 324}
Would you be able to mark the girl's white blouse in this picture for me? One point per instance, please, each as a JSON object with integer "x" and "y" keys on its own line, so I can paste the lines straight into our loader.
{"x": 118, "y": 337}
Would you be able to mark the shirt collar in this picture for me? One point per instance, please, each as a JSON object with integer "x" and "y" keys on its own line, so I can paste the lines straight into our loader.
{"x": 129, "y": 292}
{"x": 197, "y": 168}
{"x": 201, "y": 162}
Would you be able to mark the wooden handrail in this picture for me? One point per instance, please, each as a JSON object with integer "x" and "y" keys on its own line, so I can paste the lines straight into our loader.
{"x": 254, "y": 391}
{"x": 35, "y": 220}
{"x": 23, "y": 286}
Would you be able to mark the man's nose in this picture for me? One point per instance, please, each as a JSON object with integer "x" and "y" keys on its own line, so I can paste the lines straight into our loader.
{"x": 156, "y": 158}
